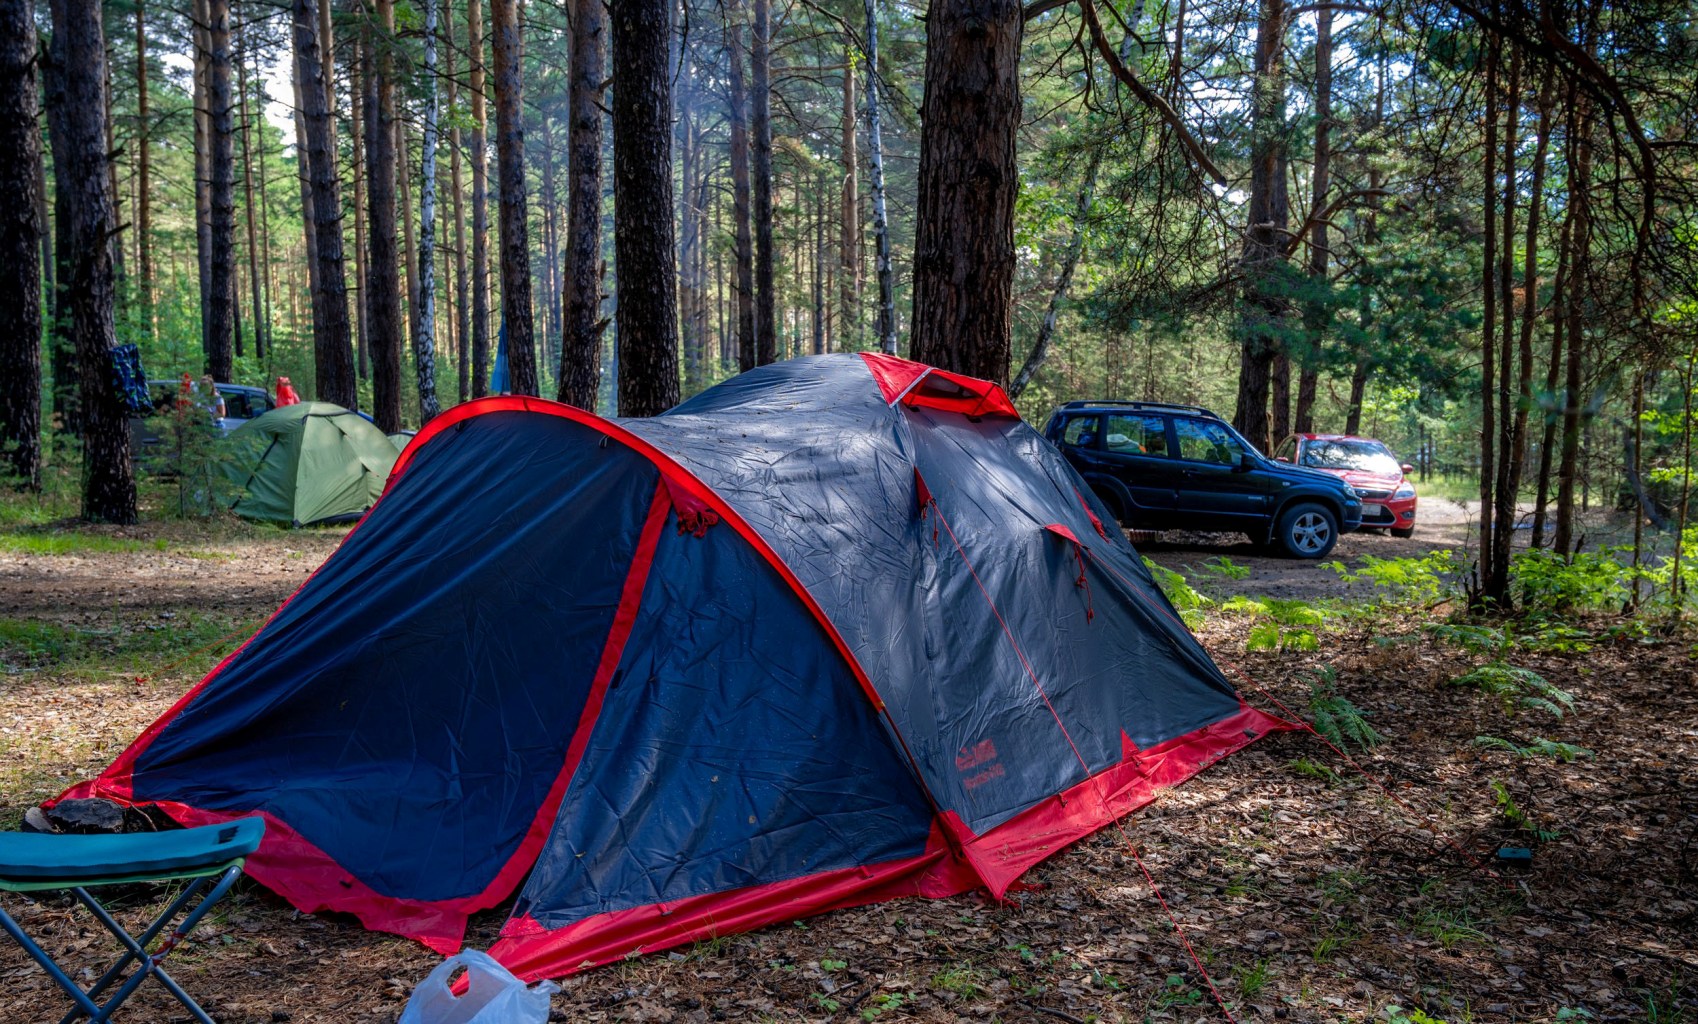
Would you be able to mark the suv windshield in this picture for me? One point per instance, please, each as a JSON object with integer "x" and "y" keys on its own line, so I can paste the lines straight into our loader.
{"x": 1365, "y": 456}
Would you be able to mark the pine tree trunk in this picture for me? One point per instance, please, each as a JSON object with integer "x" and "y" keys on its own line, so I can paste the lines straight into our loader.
{"x": 480, "y": 203}
{"x": 1505, "y": 489}
{"x": 424, "y": 319}
{"x": 1265, "y": 307}
{"x": 886, "y": 324}
{"x": 760, "y": 131}
{"x": 741, "y": 202}
{"x": 642, "y": 205}
{"x": 462, "y": 312}
{"x": 221, "y": 195}
{"x": 1358, "y": 386}
{"x": 21, "y": 232}
{"x": 309, "y": 223}
{"x": 1488, "y": 322}
{"x": 144, "y": 181}
{"x": 1580, "y": 211}
{"x": 580, "y": 341}
{"x": 1320, "y": 311}
{"x": 1553, "y": 373}
{"x": 202, "y": 165}
{"x": 550, "y": 253}
{"x": 689, "y": 240}
{"x": 510, "y": 166}
{"x": 383, "y": 299}
{"x": 76, "y": 110}
{"x": 964, "y": 240}
{"x": 333, "y": 356}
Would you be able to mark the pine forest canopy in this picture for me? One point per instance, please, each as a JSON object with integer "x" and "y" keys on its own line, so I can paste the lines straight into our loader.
{"x": 1465, "y": 228}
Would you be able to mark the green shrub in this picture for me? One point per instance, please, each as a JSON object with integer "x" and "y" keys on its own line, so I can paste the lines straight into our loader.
{"x": 1517, "y": 688}
{"x": 1336, "y": 718}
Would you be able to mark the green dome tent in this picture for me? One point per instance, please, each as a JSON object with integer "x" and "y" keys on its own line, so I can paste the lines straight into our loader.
{"x": 308, "y": 463}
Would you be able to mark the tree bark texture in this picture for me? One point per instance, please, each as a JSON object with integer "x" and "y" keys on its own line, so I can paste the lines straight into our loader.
{"x": 1320, "y": 310}
{"x": 510, "y": 166}
{"x": 221, "y": 195}
{"x": 1580, "y": 211}
{"x": 144, "y": 177}
{"x": 480, "y": 202}
{"x": 580, "y": 340}
{"x": 760, "y": 130}
{"x": 1265, "y": 306}
{"x": 964, "y": 239}
{"x": 383, "y": 298}
{"x": 424, "y": 317}
{"x": 740, "y": 198}
{"x": 642, "y": 198}
{"x": 462, "y": 311}
{"x": 849, "y": 214}
{"x": 885, "y": 324}
{"x": 333, "y": 356}
{"x": 21, "y": 231}
{"x": 81, "y": 160}
{"x": 1489, "y": 299}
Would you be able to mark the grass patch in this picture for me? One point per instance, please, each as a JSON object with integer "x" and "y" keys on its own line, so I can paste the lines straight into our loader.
{"x": 1450, "y": 927}
{"x": 76, "y": 544}
{"x": 32, "y": 645}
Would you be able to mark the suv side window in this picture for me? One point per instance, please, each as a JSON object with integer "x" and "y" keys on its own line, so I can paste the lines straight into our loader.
{"x": 1287, "y": 450}
{"x": 1080, "y": 432}
{"x": 1137, "y": 435}
{"x": 1203, "y": 441}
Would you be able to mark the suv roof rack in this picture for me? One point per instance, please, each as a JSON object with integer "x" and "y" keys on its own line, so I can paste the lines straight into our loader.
{"x": 1166, "y": 406}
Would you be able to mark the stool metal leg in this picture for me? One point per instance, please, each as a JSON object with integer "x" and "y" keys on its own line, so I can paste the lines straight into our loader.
{"x": 150, "y": 963}
{"x": 87, "y": 1006}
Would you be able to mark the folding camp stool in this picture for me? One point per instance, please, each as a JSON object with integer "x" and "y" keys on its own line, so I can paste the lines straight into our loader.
{"x": 209, "y": 856}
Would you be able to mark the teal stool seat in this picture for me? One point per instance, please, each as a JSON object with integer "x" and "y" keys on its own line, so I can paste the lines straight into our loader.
{"x": 30, "y": 862}
{"x": 211, "y": 856}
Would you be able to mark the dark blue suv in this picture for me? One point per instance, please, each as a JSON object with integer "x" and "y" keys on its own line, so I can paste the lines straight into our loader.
{"x": 1179, "y": 467}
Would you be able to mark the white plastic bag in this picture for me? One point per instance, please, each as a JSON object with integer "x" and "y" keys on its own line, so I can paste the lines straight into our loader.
{"x": 493, "y": 995}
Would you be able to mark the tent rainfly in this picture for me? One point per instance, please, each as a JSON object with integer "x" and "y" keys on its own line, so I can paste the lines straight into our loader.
{"x": 838, "y": 630}
{"x": 308, "y": 463}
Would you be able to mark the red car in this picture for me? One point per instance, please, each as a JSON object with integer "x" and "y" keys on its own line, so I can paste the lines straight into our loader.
{"x": 1368, "y": 466}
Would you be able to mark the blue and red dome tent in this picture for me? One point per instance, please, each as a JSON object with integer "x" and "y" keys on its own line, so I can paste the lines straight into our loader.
{"x": 838, "y": 630}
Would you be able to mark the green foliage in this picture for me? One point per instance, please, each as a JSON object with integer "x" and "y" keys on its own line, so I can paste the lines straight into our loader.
{"x": 1450, "y": 927}
{"x": 1475, "y": 639}
{"x": 1517, "y": 818}
{"x": 1186, "y": 599}
{"x": 1251, "y": 978}
{"x": 1540, "y": 747}
{"x": 1226, "y": 568}
{"x": 1398, "y": 1015}
{"x": 1336, "y": 718}
{"x": 1314, "y": 770}
{"x": 1547, "y": 583}
{"x": 1407, "y": 582}
{"x": 1517, "y": 688}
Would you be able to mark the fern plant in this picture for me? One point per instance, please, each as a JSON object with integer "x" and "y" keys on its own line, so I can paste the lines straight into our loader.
{"x": 1336, "y": 718}
{"x": 1517, "y": 688}
{"x": 1567, "y": 753}
{"x": 1517, "y": 818}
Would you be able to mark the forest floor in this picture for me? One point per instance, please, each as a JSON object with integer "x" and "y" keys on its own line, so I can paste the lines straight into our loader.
{"x": 1309, "y": 895}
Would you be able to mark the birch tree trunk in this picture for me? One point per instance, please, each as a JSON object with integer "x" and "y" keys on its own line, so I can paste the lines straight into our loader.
{"x": 462, "y": 332}
{"x": 886, "y": 323}
{"x": 849, "y": 226}
{"x": 424, "y": 317}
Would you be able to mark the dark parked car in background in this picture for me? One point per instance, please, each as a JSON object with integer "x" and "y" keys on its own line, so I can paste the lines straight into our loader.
{"x": 238, "y": 404}
{"x": 1166, "y": 467}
